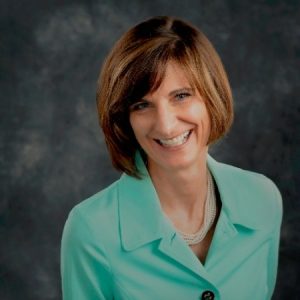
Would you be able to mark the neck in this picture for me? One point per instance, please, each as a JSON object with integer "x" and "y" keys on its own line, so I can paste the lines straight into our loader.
{"x": 182, "y": 193}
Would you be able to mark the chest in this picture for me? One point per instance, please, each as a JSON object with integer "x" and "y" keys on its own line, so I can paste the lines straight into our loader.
{"x": 201, "y": 249}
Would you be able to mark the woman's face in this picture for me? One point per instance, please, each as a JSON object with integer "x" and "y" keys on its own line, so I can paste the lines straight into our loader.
{"x": 172, "y": 124}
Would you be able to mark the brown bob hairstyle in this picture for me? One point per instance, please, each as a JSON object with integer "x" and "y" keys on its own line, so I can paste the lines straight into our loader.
{"x": 136, "y": 66}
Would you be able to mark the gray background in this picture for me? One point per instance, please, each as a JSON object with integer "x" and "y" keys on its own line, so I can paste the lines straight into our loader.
{"x": 52, "y": 151}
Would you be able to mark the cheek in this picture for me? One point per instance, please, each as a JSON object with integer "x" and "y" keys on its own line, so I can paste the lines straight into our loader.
{"x": 132, "y": 124}
{"x": 199, "y": 113}
{"x": 206, "y": 123}
{"x": 137, "y": 126}
{"x": 201, "y": 116}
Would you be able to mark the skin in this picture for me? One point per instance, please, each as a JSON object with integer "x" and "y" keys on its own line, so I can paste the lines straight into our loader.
{"x": 178, "y": 172}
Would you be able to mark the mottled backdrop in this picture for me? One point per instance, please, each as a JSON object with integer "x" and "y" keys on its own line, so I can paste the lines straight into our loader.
{"x": 52, "y": 151}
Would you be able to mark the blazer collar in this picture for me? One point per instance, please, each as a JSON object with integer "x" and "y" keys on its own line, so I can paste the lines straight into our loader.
{"x": 142, "y": 219}
{"x": 141, "y": 216}
{"x": 236, "y": 195}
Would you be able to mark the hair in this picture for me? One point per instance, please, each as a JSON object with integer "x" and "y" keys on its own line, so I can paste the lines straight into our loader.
{"x": 136, "y": 65}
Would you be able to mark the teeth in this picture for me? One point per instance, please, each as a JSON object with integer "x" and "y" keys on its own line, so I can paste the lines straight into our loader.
{"x": 176, "y": 141}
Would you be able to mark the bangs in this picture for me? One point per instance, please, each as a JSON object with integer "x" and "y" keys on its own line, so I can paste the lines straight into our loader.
{"x": 147, "y": 72}
{"x": 145, "y": 76}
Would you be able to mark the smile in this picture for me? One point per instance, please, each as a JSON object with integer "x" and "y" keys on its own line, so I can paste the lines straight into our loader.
{"x": 176, "y": 141}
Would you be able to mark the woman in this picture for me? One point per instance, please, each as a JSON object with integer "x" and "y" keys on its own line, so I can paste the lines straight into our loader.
{"x": 177, "y": 224}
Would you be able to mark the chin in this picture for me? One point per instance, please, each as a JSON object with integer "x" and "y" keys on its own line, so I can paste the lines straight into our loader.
{"x": 176, "y": 165}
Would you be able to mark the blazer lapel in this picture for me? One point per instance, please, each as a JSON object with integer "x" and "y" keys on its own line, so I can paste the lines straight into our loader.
{"x": 177, "y": 249}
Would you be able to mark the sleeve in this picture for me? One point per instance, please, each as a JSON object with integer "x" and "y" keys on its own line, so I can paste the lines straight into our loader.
{"x": 85, "y": 271}
{"x": 275, "y": 241}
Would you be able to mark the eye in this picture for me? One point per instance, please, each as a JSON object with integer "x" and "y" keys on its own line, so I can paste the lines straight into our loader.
{"x": 182, "y": 96}
{"x": 139, "y": 106}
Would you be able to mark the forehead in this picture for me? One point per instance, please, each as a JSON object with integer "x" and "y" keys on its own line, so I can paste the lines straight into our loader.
{"x": 175, "y": 73}
{"x": 173, "y": 78}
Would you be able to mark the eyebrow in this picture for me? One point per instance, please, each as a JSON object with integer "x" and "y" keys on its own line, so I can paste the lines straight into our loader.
{"x": 182, "y": 90}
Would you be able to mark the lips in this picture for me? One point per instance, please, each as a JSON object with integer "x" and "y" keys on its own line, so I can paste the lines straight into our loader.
{"x": 176, "y": 141}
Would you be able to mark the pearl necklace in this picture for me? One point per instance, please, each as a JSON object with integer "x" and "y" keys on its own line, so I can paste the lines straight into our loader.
{"x": 210, "y": 211}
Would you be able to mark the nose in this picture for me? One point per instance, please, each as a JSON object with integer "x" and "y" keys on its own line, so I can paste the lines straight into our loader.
{"x": 165, "y": 122}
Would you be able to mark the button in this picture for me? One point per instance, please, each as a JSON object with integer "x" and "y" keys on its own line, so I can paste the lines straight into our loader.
{"x": 208, "y": 295}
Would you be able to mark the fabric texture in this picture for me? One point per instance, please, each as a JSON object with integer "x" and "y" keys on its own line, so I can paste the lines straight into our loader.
{"x": 118, "y": 244}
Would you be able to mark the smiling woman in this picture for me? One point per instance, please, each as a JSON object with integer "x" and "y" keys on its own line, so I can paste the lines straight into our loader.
{"x": 136, "y": 66}
{"x": 173, "y": 127}
{"x": 177, "y": 224}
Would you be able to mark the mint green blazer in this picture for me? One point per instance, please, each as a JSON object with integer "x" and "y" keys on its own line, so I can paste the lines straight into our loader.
{"x": 119, "y": 245}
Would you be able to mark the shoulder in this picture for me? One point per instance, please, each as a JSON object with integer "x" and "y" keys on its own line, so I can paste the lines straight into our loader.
{"x": 253, "y": 183}
{"x": 94, "y": 216}
{"x": 252, "y": 196}
{"x": 102, "y": 202}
